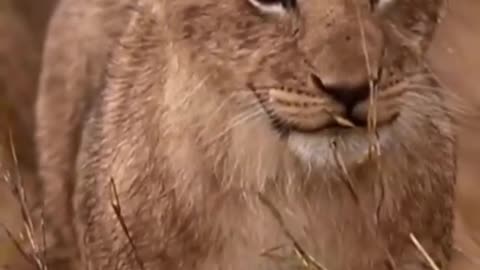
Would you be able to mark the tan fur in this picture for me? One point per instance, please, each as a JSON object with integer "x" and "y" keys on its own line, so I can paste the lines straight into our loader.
{"x": 80, "y": 35}
{"x": 208, "y": 103}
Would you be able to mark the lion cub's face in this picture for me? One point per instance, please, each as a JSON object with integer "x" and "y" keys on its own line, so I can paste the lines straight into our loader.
{"x": 311, "y": 66}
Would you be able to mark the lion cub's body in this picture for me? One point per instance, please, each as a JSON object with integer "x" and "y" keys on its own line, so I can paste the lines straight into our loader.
{"x": 201, "y": 185}
{"x": 80, "y": 37}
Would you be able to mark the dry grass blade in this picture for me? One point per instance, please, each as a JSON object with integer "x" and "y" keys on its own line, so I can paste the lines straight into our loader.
{"x": 18, "y": 191}
{"x": 115, "y": 203}
{"x": 269, "y": 253}
{"x": 44, "y": 236}
{"x": 424, "y": 253}
{"x": 343, "y": 121}
{"x": 18, "y": 246}
{"x": 308, "y": 261}
{"x": 372, "y": 109}
{"x": 380, "y": 192}
{"x": 347, "y": 179}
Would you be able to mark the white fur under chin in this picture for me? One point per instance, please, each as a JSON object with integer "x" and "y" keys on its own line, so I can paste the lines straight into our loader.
{"x": 351, "y": 146}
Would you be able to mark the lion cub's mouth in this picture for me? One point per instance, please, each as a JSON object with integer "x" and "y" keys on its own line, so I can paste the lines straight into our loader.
{"x": 306, "y": 112}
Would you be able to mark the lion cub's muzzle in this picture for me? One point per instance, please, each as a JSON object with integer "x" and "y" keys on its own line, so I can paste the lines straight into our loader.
{"x": 327, "y": 106}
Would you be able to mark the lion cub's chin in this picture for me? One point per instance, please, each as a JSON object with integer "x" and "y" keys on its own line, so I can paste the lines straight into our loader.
{"x": 329, "y": 147}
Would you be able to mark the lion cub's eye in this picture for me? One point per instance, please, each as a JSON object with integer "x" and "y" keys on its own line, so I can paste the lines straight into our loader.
{"x": 274, "y": 6}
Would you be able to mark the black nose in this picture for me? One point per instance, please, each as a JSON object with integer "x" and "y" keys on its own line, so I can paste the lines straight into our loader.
{"x": 349, "y": 94}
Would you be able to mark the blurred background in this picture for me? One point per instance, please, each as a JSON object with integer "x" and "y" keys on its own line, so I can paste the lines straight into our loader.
{"x": 455, "y": 57}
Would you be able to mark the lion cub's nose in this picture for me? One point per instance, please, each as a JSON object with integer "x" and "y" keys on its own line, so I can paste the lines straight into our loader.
{"x": 348, "y": 95}
{"x": 347, "y": 92}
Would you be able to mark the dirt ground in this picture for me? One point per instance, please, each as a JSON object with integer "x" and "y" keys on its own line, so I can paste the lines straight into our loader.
{"x": 455, "y": 58}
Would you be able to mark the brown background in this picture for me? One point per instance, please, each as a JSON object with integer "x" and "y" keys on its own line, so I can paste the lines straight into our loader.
{"x": 455, "y": 58}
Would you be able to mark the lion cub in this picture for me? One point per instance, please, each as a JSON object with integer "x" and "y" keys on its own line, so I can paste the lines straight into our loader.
{"x": 238, "y": 134}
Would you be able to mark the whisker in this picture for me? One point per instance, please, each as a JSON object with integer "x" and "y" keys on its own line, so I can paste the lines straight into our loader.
{"x": 457, "y": 107}
{"x": 191, "y": 93}
{"x": 454, "y": 102}
{"x": 234, "y": 92}
{"x": 247, "y": 102}
{"x": 392, "y": 92}
{"x": 238, "y": 120}
{"x": 451, "y": 95}
{"x": 459, "y": 119}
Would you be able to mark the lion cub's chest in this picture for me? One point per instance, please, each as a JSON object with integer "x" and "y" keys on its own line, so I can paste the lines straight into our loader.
{"x": 257, "y": 237}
